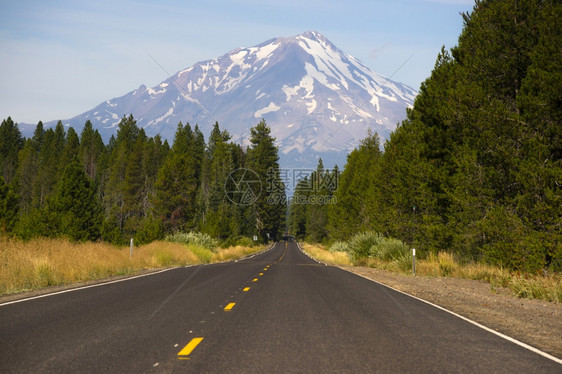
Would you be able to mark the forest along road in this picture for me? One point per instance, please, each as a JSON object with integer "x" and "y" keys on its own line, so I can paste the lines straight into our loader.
{"x": 278, "y": 311}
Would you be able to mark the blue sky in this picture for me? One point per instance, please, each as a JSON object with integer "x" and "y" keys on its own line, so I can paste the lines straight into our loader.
{"x": 61, "y": 58}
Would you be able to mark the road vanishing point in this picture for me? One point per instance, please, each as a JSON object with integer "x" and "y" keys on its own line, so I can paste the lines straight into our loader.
{"x": 275, "y": 312}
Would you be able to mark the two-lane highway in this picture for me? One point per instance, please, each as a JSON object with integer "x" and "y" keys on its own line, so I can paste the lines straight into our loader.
{"x": 278, "y": 311}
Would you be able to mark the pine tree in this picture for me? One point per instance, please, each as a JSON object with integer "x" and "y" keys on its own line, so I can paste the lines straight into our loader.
{"x": 270, "y": 207}
{"x": 317, "y": 203}
{"x": 121, "y": 147}
{"x": 93, "y": 156}
{"x": 350, "y": 212}
{"x": 11, "y": 142}
{"x": 71, "y": 148}
{"x": 474, "y": 167}
{"x": 50, "y": 165}
{"x": 134, "y": 184}
{"x": 298, "y": 209}
{"x": 8, "y": 207}
{"x": 75, "y": 205}
{"x": 177, "y": 183}
{"x": 217, "y": 215}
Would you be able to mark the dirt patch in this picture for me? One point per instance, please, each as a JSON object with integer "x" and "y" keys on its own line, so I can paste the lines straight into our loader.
{"x": 537, "y": 323}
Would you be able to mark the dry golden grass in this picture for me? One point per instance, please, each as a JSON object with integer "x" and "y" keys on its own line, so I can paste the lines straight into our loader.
{"x": 46, "y": 262}
{"x": 545, "y": 287}
{"x": 231, "y": 253}
{"x": 319, "y": 253}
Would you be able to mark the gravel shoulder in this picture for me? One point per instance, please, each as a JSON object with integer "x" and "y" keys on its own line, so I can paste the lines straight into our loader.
{"x": 534, "y": 322}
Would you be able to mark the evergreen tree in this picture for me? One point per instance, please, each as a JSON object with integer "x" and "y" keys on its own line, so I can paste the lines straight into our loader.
{"x": 11, "y": 142}
{"x": 93, "y": 156}
{"x": 50, "y": 165}
{"x": 71, "y": 147}
{"x": 116, "y": 210}
{"x": 475, "y": 165}
{"x": 134, "y": 186}
{"x": 270, "y": 208}
{"x": 217, "y": 217}
{"x": 26, "y": 174}
{"x": 350, "y": 212}
{"x": 298, "y": 209}
{"x": 177, "y": 183}
{"x": 8, "y": 207}
{"x": 318, "y": 203}
{"x": 75, "y": 205}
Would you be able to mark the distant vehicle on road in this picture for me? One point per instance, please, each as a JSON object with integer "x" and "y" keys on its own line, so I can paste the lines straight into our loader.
{"x": 288, "y": 238}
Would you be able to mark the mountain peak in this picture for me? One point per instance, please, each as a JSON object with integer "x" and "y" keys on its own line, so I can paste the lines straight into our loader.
{"x": 314, "y": 35}
{"x": 318, "y": 101}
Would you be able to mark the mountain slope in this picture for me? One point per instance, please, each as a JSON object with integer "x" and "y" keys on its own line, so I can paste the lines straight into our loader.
{"x": 318, "y": 100}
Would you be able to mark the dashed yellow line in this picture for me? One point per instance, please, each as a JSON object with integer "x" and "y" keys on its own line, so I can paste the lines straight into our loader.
{"x": 260, "y": 274}
{"x": 283, "y": 255}
{"x": 229, "y": 307}
{"x": 255, "y": 280}
{"x": 184, "y": 353}
{"x": 246, "y": 289}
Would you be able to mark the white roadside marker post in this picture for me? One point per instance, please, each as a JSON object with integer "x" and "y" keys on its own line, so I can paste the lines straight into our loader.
{"x": 414, "y": 261}
{"x": 131, "y": 250}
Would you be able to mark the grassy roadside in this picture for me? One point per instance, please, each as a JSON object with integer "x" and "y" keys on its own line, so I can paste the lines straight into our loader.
{"x": 544, "y": 287}
{"x": 48, "y": 262}
{"x": 319, "y": 253}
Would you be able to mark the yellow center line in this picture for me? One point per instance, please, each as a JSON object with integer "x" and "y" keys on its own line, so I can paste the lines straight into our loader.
{"x": 229, "y": 307}
{"x": 255, "y": 280}
{"x": 184, "y": 353}
{"x": 264, "y": 269}
{"x": 283, "y": 255}
{"x": 246, "y": 289}
{"x": 261, "y": 274}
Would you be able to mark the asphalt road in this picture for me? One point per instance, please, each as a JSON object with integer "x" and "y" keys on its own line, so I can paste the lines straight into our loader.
{"x": 277, "y": 312}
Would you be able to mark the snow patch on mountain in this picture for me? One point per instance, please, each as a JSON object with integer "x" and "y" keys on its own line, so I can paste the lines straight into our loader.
{"x": 268, "y": 109}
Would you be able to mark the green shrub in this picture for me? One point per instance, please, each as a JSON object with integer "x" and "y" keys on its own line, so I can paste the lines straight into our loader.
{"x": 194, "y": 238}
{"x": 360, "y": 244}
{"x": 393, "y": 250}
{"x": 151, "y": 229}
{"x": 389, "y": 249}
{"x": 339, "y": 247}
{"x": 244, "y": 241}
{"x": 233, "y": 241}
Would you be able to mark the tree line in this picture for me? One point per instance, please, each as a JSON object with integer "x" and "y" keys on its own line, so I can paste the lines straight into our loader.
{"x": 476, "y": 167}
{"x": 59, "y": 183}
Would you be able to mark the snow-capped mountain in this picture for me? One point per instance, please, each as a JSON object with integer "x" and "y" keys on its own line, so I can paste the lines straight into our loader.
{"x": 318, "y": 101}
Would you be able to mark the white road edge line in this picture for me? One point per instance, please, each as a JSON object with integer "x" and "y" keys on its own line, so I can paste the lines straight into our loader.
{"x": 306, "y": 254}
{"x": 86, "y": 287}
{"x": 508, "y": 338}
{"x": 254, "y": 254}
{"x": 114, "y": 281}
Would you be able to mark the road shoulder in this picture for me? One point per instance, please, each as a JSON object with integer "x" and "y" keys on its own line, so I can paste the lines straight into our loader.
{"x": 534, "y": 322}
